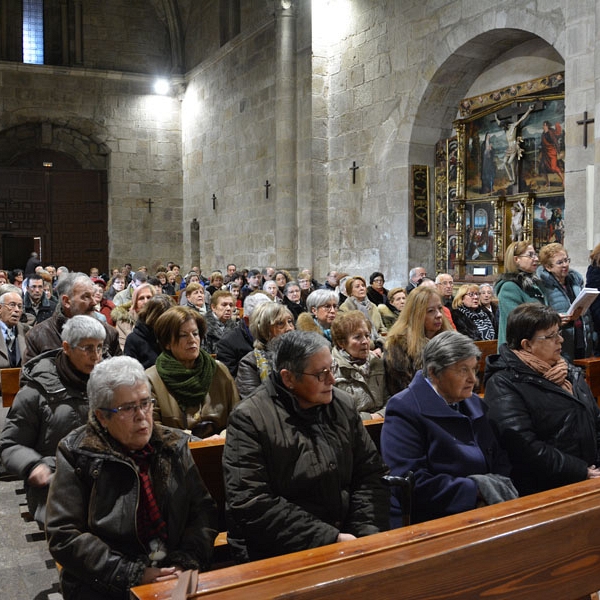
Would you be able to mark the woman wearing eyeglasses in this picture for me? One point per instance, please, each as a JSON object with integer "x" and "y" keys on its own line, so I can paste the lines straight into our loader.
{"x": 469, "y": 316}
{"x": 561, "y": 285}
{"x": 300, "y": 469}
{"x": 438, "y": 429}
{"x": 322, "y": 308}
{"x": 268, "y": 321}
{"x": 543, "y": 410}
{"x": 51, "y": 403}
{"x": 126, "y": 505}
{"x": 519, "y": 282}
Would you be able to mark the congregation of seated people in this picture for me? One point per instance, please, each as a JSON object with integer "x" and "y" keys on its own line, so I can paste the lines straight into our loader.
{"x": 284, "y": 371}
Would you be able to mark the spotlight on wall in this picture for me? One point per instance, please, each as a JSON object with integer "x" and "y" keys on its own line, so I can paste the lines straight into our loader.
{"x": 162, "y": 87}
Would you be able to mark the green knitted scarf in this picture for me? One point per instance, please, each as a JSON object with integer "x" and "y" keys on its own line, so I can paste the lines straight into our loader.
{"x": 188, "y": 386}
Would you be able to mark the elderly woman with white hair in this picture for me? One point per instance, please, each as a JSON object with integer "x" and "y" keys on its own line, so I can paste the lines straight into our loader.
{"x": 51, "y": 403}
{"x": 438, "y": 429}
{"x": 322, "y": 308}
{"x": 127, "y": 505}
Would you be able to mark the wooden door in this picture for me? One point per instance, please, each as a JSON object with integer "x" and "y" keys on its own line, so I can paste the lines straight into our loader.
{"x": 67, "y": 210}
{"x": 78, "y": 208}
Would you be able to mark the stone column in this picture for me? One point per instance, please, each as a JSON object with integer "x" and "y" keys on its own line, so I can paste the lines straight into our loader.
{"x": 286, "y": 230}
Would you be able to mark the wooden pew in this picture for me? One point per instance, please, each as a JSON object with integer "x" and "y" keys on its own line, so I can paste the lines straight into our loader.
{"x": 10, "y": 382}
{"x": 486, "y": 348}
{"x": 543, "y": 546}
{"x": 591, "y": 368}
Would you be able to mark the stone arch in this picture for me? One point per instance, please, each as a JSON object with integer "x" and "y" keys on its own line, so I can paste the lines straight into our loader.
{"x": 419, "y": 119}
{"x": 87, "y": 150}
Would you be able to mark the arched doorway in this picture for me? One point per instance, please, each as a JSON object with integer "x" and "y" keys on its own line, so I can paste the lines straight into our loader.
{"x": 51, "y": 205}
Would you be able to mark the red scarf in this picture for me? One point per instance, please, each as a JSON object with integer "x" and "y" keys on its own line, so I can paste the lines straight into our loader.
{"x": 150, "y": 523}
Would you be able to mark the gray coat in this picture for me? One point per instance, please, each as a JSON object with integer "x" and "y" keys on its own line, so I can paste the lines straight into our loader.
{"x": 44, "y": 411}
{"x": 557, "y": 298}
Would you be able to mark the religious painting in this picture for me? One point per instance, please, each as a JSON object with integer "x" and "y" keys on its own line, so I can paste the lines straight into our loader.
{"x": 480, "y": 223}
{"x": 512, "y": 148}
{"x": 518, "y": 220}
{"x": 478, "y": 237}
{"x": 420, "y": 198}
{"x": 548, "y": 221}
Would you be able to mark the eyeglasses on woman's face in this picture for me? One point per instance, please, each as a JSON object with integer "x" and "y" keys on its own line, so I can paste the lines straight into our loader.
{"x": 472, "y": 294}
{"x": 128, "y": 411}
{"x": 531, "y": 255}
{"x": 563, "y": 262}
{"x": 322, "y": 375}
{"x": 556, "y": 336}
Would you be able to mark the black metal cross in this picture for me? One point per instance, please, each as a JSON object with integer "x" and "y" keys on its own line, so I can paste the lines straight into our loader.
{"x": 585, "y": 122}
{"x": 354, "y": 168}
{"x": 267, "y": 186}
{"x": 214, "y": 199}
{"x": 149, "y": 202}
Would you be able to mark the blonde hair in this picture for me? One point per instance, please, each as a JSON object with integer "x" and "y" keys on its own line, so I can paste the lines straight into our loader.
{"x": 463, "y": 290}
{"x": 513, "y": 250}
{"x": 595, "y": 256}
{"x": 411, "y": 322}
{"x": 548, "y": 252}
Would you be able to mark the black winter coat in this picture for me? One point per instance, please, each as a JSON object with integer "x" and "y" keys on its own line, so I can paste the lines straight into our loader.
{"x": 295, "y": 479}
{"x": 142, "y": 345}
{"x": 551, "y": 436}
{"x": 91, "y": 520}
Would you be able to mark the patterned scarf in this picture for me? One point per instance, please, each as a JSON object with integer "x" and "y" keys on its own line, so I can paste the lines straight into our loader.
{"x": 482, "y": 321}
{"x": 150, "y": 523}
{"x": 263, "y": 363}
{"x": 556, "y": 374}
{"x": 188, "y": 386}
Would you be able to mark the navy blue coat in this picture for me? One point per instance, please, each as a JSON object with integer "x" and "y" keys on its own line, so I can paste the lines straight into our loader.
{"x": 442, "y": 447}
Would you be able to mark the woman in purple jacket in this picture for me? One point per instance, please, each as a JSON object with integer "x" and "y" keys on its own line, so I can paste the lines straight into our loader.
{"x": 438, "y": 429}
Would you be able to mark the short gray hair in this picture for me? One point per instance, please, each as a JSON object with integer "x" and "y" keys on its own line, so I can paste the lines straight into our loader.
{"x": 445, "y": 349}
{"x": 109, "y": 375}
{"x": 292, "y": 350}
{"x": 68, "y": 281}
{"x": 9, "y": 288}
{"x": 253, "y": 300}
{"x": 81, "y": 327}
{"x": 319, "y": 298}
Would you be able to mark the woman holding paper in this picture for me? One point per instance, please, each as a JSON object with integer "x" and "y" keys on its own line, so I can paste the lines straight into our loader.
{"x": 561, "y": 285}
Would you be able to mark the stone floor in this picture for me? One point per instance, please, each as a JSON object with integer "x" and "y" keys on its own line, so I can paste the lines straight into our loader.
{"x": 27, "y": 571}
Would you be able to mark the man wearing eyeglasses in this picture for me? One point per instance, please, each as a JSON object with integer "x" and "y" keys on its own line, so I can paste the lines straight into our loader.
{"x": 12, "y": 341}
{"x": 51, "y": 403}
{"x": 76, "y": 296}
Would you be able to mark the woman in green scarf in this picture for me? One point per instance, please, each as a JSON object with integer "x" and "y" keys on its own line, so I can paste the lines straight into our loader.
{"x": 193, "y": 391}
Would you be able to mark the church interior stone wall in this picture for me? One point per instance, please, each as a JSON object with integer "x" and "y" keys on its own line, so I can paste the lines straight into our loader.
{"x": 376, "y": 83}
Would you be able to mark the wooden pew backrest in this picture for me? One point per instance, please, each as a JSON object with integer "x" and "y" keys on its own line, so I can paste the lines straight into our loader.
{"x": 540, "y": 546}
{"x": 486, "y": 348}
{"x": 591, "y": 368}
{"x": 10, "y": 381}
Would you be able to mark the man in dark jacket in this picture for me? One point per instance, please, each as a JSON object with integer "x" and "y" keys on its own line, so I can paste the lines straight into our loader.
{"x": 235, "y": 344}
{"x": 36, "y": 306}
{"x": 76, "y": 295}
{"x": 51, "y": 403}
